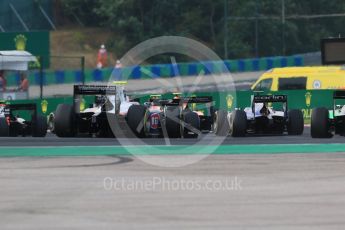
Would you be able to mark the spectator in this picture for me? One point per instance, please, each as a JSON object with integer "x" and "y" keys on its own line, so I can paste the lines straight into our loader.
{"x": 3, "y": 81}
{"x": 102, "y": 57}
{"x": 118, "y": 64}
{"x": 24, "y": 83}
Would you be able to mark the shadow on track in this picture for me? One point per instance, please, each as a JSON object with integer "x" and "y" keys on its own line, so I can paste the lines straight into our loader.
{"x": 120, "y": 160}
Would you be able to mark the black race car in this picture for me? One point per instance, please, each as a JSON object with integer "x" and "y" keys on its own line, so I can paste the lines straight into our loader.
{"x": 171, "y": 118}
{"x": 260, "y": 118}
{"x": 12, "y": 125}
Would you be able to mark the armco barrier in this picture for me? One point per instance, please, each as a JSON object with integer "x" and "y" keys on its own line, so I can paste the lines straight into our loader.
{"x": 297, "y": 99}
{"x": 157, "y": 71}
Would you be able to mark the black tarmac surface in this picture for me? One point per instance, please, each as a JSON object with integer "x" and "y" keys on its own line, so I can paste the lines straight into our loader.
{"x": 52, "y": 140}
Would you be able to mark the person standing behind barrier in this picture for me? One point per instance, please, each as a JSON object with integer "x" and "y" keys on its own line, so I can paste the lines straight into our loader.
{"x": 24, "y": 83}
{"x": 118, "y": 64}
{"x": 102, "y": 57}
{"x": 117, "y": 73}
{"x": 3, "y": 81}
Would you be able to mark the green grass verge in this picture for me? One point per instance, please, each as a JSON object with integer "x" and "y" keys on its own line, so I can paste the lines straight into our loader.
{"x": 169, "y": 150}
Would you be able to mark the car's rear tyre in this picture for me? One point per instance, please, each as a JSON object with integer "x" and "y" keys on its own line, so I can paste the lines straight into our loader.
{"x": 238, "y": 123}
{"x": 221, "y": 125}
{"x": 4, "y": 127}
{"x": 135, "y": 119}
{"x": 64, "y": 121}
{"x": 40, "y": 127}
{"x": 295, "y": 124}
{"x": 319, "y": 123}
{"x": 173, "y": 121}
{"x": 192, "y": 119}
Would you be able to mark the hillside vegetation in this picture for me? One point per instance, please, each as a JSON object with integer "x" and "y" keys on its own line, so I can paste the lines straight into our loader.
{"x": 255, "y": 27}
{"x": 77, "y": 41}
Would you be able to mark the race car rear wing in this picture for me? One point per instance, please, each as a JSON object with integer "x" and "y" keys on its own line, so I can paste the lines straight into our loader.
{"x": 192, "y": 100}
{"x": 269, "y": 98}
{"x": 80, "y": 90}
{"x": 339, "y": 94}
{"x": 94, "y": 90}
{"x": 23, "y": 107}
{"x": 31, "y": 107}
{"x": 188, "y": 100}
{"x": 182, "y": 101}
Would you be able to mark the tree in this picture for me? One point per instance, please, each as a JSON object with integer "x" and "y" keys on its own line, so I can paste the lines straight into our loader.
{"x": 134, "y": 21}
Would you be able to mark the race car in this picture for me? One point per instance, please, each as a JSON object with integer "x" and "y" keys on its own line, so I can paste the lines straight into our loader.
{"x": 174, "y": 118}
{"x": 260, "y": 118}
{"x": 109, "y": 109}
{"x": 13, "y": 126}
{"x": 325, "y": 123}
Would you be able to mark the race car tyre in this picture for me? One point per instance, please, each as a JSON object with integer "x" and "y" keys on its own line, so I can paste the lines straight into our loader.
{"x": 319, "y": 123}
{"x": 192, "y": 119}
{"x": 238, "y": 123}
{"x": 64, "y": 121}
{"x": 173, "y": 122}
{"x": 40, "y": 128}
{"x": 4, "y": 128}
{"x": 295, "y": 124}
{"x": 135, "y": 119}
{"x": 221, "y": 125}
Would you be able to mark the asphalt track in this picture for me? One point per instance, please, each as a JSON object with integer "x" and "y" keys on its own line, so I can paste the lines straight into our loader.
{"x": 299, "y": 185}
{"x": 52, "y": 140}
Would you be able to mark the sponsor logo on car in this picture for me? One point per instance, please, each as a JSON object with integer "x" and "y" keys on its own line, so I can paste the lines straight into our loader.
{"x": 154, "y": 121}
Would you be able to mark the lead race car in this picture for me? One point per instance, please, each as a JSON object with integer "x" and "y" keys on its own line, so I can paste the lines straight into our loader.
{"x": 260, "y": 118}
{"x": 13, "y": 125}
{"x": 325, "y": 123}
{"x": 173, "y": 118}
{"x": 109, "y": 110}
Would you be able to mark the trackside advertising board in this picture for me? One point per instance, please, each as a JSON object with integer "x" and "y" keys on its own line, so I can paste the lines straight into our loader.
{"x": 305, "y": 100}
{"x": 37, "y": 43}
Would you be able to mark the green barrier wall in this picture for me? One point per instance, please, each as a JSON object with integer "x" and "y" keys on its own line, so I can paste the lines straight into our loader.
{"x": 37, "y": 43}
{"x": 297, "y": 99}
